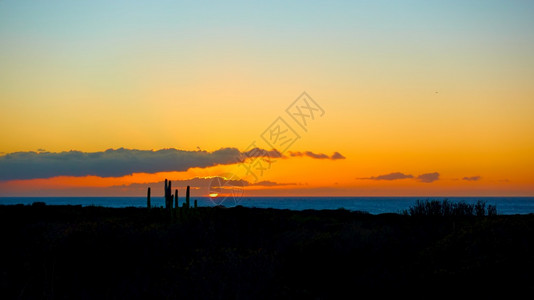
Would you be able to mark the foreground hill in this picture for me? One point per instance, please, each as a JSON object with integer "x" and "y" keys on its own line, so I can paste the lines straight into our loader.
{"x": 243, "y": 253}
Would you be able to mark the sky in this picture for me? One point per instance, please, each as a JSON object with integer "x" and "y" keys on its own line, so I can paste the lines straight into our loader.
{"x": 283, "y": 98}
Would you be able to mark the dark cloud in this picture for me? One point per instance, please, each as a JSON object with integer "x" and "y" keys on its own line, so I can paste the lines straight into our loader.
{"x": 258, "y": 152}
{"x": 390, "y": 176}
{"x": 296, "y": 154}
{"x": 428, "y": 177}
{"x": 200, "y": 187}
{"x": 202, "y": 183}
{"x": 120, "y": 162}
{"x": 335, "y": 156}
{"x": 269, "y": 183}
{"x": 222, "y": 181}
{"x": 472, "y": 178}
{"x": 109, "y": 163}
{"x": 316, "y": 155}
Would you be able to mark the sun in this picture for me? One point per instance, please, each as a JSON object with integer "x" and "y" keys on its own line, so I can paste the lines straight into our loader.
{"x": 213, "y": 195}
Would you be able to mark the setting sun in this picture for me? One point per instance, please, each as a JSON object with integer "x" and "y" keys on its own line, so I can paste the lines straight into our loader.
{"x": 266, "y": 149}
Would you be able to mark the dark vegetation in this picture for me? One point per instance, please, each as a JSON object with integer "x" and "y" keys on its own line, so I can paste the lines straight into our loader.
{"x": 73, "y": 252}
{"x": 445, "y": 208}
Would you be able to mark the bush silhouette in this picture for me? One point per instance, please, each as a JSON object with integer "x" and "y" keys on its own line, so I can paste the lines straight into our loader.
{"x": 446, "y": 208}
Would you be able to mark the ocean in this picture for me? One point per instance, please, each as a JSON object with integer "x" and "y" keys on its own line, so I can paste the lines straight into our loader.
{"x": 373, "y": 205}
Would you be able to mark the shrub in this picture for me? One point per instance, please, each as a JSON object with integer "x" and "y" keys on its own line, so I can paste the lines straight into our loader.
{"x": 446, "y": 208}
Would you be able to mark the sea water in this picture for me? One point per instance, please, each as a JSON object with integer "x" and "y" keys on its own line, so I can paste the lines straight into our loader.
{"x": 373, "y": 205}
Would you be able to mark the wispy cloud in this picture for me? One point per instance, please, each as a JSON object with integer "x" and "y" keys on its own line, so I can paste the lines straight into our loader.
{"x": 472, "y": 178}
{"x": 311, "y": 154}
{"x": 269, "y": 183}
{"x": 316, "y": 155}
{"x": 428, "y": 177}
{"x": 205, "y": 182}
{"x": 337, "y": 155}
{"x": 390, "y": 176}
{"x": 258, "y": 152}
{"x": 201, "y": 185}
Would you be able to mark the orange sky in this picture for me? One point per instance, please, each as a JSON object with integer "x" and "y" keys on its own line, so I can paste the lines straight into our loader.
{"x": 413, "y": 89}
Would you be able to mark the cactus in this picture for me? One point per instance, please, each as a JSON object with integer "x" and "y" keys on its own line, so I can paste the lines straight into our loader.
{"x": 168, "y": 194}
{"x": 196, "y": 203}
{"x": 148, "y": 198}
{"x": 187, "y": 193}
{"x": 176, "y": 198}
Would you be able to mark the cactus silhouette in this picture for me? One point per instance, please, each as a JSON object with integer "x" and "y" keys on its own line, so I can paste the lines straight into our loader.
{"x": 148, "y": 198}
{"x": 168, "y": 194}
{"x": 176, "y": 198}
{"x": 187, "y": 193}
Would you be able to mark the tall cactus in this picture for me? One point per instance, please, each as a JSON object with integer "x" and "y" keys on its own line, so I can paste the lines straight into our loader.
{"x": 187, "y": 193}
{"x": 176, "y": 198}
{"x": 148, "y": 198}
{"x": 168, "y": 194}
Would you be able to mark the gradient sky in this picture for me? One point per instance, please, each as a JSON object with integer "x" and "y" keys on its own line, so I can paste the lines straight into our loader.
{"x": 408, "y": 89}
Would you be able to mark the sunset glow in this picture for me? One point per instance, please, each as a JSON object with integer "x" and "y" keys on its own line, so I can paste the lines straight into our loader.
{"x": 404, "y": 99}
